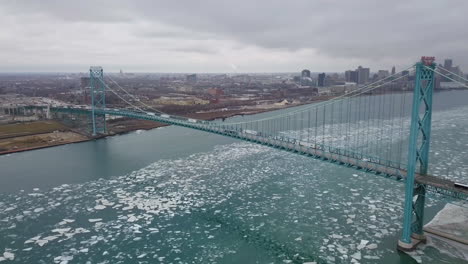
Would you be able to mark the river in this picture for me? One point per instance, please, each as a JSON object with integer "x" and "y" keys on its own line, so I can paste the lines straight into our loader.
{"x": 174, "y": 195}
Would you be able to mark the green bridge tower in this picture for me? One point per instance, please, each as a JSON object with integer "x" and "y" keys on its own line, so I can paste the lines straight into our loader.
{"x": 98, "y": 99}
{"x": 418, "y": 154}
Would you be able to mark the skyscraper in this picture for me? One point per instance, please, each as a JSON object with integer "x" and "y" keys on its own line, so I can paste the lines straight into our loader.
{"x": 321, "y": 80}
{"x": 354, "y": 76}
{"x": 448, "y": 64}
{"x": 305, "y": 73}
{"x": 351, "y": 76}
{"x": 393, "y": 70}
{"x": 383, "y": 74}
{"x": 347, "y": 76}
{"x": 363, "y": 75}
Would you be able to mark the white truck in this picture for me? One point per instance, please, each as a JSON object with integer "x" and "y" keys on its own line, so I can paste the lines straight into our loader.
{"x": 251, "y": 132}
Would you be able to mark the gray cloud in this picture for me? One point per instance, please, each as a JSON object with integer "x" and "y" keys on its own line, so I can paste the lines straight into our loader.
{"x": 286, "y": 35}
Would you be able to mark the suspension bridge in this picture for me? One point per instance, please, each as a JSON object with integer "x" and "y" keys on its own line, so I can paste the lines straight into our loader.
{"x": 372, "y": 128}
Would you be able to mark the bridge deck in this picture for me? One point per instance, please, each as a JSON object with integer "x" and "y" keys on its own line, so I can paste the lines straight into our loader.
{"x": 432, "y": 183}
{"x": 381, "y": 167}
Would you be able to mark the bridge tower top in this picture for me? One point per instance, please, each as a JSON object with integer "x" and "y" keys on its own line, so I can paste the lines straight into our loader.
{"x": 428, "y": 60}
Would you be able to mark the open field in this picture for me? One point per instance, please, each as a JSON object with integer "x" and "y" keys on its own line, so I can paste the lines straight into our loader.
{"x": 39, "y": 141}
{"x": 30, "y": 128}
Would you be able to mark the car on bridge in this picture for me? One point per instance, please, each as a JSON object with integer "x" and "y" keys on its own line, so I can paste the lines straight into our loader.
{"x": 231, "y": 132}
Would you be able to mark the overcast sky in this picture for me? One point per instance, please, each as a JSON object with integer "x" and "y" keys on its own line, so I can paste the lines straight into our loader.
{"x": 229, "y": 36}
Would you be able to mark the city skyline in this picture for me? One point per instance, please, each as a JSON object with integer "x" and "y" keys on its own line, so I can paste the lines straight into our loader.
{"x": 208, "y": 36}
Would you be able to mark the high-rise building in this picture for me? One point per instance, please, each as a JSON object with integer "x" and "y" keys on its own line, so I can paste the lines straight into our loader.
{"x": 363, "y": 75}
{"x": 448, "y": 64}
{"x": 347, "y": 76}
{"x": 382, "y": 74}
{"x": 191, "y": 78}
{"x": 305, "y": 74}
{"x": 351, "y": 76}
{"x": 321, "y": 80}
{"x": 354, "y": 76}
{"x": 393, "y": 70}
{"x": 404, "y": 73}
{"x": 452, "y": 72}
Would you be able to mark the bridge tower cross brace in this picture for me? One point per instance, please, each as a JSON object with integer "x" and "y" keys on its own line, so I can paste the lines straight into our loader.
{"x": 418, "y": 154}
{"x": 98, "y": 99}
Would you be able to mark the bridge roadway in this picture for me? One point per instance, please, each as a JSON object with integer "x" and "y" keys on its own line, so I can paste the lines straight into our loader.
{"x": 345, "y": 158}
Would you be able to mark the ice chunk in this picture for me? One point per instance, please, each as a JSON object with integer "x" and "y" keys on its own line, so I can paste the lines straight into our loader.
{"x": 132, "y": 219}
{"x": 362, "y": 244}
{"x": 356, "y": 255}
{"x": 61, "y": 230}
{"x": 31, "y": 240}
{"x": 99, "y": 207}
{"x": 9, "y": 209}
{"x": 372, "y": 246}
{"x": 8, "y": 255}
{"x": 37, "y": 210}
{"x": 66, "y": 221}
{"x": 42, "y": 242}
{"x": 50, "y": 238}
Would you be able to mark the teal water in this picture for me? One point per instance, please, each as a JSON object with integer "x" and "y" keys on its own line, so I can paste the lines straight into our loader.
{"x": 174, "y": 195}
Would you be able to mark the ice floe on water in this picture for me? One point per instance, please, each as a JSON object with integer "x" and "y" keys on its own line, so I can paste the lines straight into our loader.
{"x": 219, "y": 206}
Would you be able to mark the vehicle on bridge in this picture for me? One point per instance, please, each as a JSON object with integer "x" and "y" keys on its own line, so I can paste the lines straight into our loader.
{"x": 251, "y": 132}
{"x": 306, "y": 144}
{"x": 231, "y": 132}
